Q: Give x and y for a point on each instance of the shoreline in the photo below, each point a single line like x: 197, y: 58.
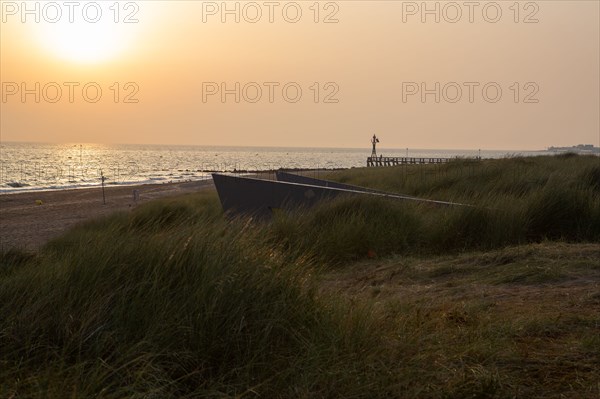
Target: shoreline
x: 208, y: 177
x: 27, y: 223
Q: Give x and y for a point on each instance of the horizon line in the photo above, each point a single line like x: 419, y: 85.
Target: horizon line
x: 366, y: 147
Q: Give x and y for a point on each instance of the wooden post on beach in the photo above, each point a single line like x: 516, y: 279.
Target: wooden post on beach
x: 103, y: 195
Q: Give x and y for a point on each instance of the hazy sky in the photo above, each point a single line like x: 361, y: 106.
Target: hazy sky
x: 489, y: 75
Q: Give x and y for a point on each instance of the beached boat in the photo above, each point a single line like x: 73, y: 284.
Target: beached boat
x: 260, y: 197
x: 246, y: 195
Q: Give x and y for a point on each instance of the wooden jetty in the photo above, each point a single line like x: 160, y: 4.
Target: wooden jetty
x: 394, y: 161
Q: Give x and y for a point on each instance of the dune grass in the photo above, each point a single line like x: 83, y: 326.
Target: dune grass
x: 355, y: 298
x: 170, y: 301
x: 515, y: 201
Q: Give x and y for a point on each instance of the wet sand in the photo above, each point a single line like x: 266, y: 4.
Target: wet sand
x: 27, y: 224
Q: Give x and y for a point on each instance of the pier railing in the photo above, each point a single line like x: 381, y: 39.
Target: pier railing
x: 393, y: 161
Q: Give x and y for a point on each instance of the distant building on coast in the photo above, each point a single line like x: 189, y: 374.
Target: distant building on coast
x: 578, y: 149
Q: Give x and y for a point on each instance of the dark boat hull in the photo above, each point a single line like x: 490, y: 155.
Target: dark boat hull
x: 244, y: 195
x: 260, y: 197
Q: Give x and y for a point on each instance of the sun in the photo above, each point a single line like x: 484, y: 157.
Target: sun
x: 88, y: 38
x: 82, y: 42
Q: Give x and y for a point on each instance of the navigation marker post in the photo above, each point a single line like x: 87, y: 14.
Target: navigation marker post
x: 374, y: 141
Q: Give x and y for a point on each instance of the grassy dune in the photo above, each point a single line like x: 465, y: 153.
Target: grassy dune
x: 356, y: 298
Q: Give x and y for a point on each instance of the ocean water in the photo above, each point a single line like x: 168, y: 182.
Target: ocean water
x: 36, y: 166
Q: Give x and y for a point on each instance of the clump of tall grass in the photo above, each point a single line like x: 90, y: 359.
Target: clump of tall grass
x: 348, y: 229
x: 514, y: 201
x: 468, y: 181
x: 590, y: 176
x: 166, y: 302
x: 562, y: 213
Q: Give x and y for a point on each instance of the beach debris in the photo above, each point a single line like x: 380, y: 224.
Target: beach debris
x: 39, y: 202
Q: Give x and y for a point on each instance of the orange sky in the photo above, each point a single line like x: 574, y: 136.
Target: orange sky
x: 369, y: 63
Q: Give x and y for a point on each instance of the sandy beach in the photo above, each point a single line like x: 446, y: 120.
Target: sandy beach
x: 27, y: 223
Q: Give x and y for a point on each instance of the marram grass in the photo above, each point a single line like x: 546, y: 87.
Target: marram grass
x: 165, y: 304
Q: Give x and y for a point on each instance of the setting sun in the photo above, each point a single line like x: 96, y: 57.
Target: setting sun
x: 82, y: 42
x: 87, y: 34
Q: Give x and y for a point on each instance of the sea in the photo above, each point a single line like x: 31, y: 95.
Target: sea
x: 41, y: 167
